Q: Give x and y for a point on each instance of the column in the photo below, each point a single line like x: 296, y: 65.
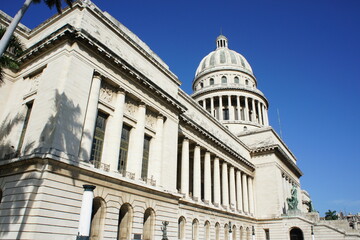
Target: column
x: 238, y: 107
x: 239, y: 191
x: 212, y: 106
x: 155, y: 158
x: 265, y: 114
x: 90, y: 119
x: 185, y: 167
x: 86, y: 212
x: 216, y: 182
x: 232, y: 188
x: 261, y: 120
x: 231, y: 109
x: 225, y: 187
x: 251, y: 195
x: 204, y: 103
x: 253, y: 111
x: 220, y: 109
x: 245, y: 193
x: 136, y: 144
x: 113, y: 135
x: 197, y: 174
x: 246, y: 111
x: 207, y: 178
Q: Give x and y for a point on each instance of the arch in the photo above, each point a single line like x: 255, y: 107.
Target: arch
x: 296, y: 234
x: 242, y: 233
x: 125, y: 222
x: 246, y: 82
x: 97, y: 218
x: 226, y: 231
x: 217, y: 231
x: 248, y: 235
x: 195, y: 229
x: 148, y: 224
x: 223, y: 79
x: 234, y: 232
x: 207, y: 230
x: 181, y: 228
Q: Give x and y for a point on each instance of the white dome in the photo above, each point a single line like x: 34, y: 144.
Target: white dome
x: 223, y: 58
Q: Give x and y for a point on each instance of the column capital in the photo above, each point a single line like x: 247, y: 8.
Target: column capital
x: 120, y: 90
x: 89, y: 187
x: 97, y: 75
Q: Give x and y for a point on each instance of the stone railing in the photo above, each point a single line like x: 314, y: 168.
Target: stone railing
x: 99, y: 165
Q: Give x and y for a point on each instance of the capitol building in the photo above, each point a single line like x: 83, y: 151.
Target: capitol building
x: 99, y: 141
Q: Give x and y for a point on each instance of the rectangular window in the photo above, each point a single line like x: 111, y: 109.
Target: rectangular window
x: 226, y: 114
x: 26, y: 121
x: 267, y: 234
x: 145, y: 160
x: 98, y: 141
x: 124, y: 147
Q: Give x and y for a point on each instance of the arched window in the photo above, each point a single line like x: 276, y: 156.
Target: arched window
x: 207, y: 230
x: 195, y: 229
x: 97, y: 219
x: 236, y: 80
x: 223, y: 79
x: 211, y: 81
x: 245, y: 128
x: 246, y: 82
x: 242, y: 233
x: 181, y: 228
x: 201, y: 85
x: 226, y: 231
x: 148, y: 224
x: 234, y: 233
x: 296, y: 234
x: 125, y: 222
x: 217, y: 231
x: 247, y: 233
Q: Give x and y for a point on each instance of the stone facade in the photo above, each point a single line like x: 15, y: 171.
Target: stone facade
x: 98, y: 140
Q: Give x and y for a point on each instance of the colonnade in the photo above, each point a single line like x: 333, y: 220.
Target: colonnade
x: 214, y: 181
x: 236, y: 107
x: 113, y: 131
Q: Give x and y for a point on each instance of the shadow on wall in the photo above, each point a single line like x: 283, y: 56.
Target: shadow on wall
x: 60, y: 137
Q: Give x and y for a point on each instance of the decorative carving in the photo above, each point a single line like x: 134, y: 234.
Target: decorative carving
x: 35, y: 81
x: 106, y: 92
x: 150, y: 119
x: 130, y: 107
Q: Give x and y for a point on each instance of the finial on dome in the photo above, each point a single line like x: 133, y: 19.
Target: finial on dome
x: 221, y: 42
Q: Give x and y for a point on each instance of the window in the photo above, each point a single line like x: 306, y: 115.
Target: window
x: 26, y: 121
x: 236, y: 80
x: 181, y: 228
x: 195, y: 229
x: 223, y: 79
x: 97, y: 219
x: 234, y: 233
x: 97, y: 146
x: 125, y: 222
x: 211, y: 81
x: 201, y: 85
x: 246, y: 82
x: 145, y: 160
x: 207, y: 230
x: 226, y: 231
x: 226, y: 114
x: 124, y: 147
x: 148, y: 224
x: 267, y: 234
x: 217, y: 231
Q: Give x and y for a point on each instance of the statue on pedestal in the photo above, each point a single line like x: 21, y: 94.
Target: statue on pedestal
x: 293, y: 201
x: 164, y: 230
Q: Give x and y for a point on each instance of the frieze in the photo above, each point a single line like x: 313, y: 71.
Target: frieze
x: 34, y: 81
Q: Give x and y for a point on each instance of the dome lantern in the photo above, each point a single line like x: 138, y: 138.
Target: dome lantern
x: 221, y: 42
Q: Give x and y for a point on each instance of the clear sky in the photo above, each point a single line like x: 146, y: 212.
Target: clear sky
x: 305, y: 55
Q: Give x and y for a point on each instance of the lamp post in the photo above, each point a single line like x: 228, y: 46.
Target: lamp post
x: 230, y: 230
x: 312, y: 233
x: 253, y: 233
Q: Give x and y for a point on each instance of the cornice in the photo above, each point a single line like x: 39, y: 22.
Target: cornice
x: 214, y: 139
x: 276, y: 148
x: 69, y: 33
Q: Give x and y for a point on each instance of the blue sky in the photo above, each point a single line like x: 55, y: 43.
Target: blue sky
x: 305, y: 55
